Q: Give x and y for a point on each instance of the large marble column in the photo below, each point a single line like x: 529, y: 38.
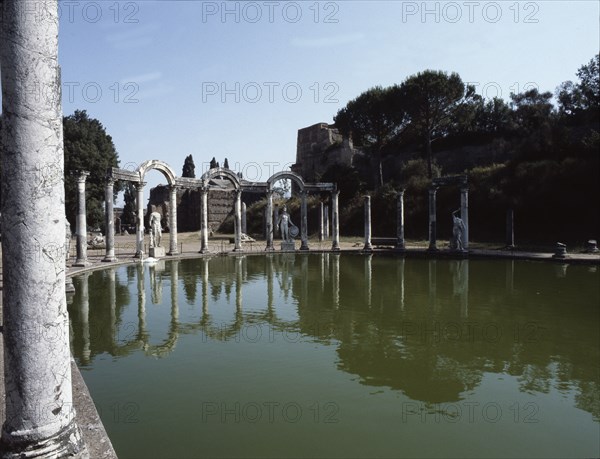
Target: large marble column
x: 204, y: 221
x: 173, y: 249
x: 368, y: 246
x: 109, y: 221
x: 432, y: 220
x: 81, y: 222
x: 464, y: 215
x: 269, y: 220
x: 38, y: 408
x: 335, y: 217
x: 400, y: 244
x: 304, y: 222
x: 139, y: 248
x: 238, y: 221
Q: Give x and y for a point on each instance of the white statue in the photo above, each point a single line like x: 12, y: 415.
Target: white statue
x: 458, y: 229
x: 284, y: 222
x: 155, y: 229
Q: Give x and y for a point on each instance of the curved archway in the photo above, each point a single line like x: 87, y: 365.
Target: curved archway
x: 161, y: 166
x: 285, y: 175
x: 222, y: 172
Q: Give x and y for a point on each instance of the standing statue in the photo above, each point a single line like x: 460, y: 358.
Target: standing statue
x: 284, y: 222
x: 458, y: 229
x: 155, y: 229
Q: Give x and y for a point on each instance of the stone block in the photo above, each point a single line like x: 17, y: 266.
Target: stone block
x: 156, y: 252
x: 287, y: 246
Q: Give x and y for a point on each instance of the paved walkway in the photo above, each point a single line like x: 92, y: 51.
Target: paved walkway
x: 92, y: 429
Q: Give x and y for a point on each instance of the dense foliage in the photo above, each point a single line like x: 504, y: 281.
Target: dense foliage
x: 550, y: 179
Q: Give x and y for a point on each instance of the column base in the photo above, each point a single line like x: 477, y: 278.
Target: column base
x: 204, y: 251
x: 69, y: 286
x: 335, y: 247
x: 432, y: 248
x: 176, y: 252
x: 138, y: 255
x: 66, y: 443
x: 81, y: 264
x: 368, y: 248
x: 304, y: 248
x: 109, y: 259
x: 238, y: 250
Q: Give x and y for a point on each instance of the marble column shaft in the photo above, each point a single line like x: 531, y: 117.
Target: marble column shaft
x: 238, y: 221
x: 464, y: 215
x: 81, y: 223
x: 269, y: 220
x: 204, y: 221
x: 368, y: 245
x: 109, y: 221
x: 38, y: 405
x: 139, y: 251
x: 432, y: 220
x: 400, y: 243
x: 321, y: 222
x: 335, y: 217
x: 304, y: 222
x: 173, y: 249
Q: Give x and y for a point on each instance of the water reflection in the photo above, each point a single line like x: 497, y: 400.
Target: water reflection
x: 430, y: 329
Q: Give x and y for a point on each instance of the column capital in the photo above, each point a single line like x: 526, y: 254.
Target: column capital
x: 174, y: 187
x: 464, y: 189
x: 139, y: 186
x: 110, y: 181
x: 401, y: 192
x: 82, y: 176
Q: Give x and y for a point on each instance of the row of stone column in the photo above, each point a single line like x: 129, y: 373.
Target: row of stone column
x: 400, y: 242
x: 270, y: 224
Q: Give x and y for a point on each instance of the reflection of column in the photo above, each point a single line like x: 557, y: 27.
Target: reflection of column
x: 326, y: 221
x: 244, y: 218
x: 269, y: 219
x: 85, y: 316
x: 304, y: 225
x: 321, y: 222
x: 139, y: 250
x: 141, y: 287
x: 335, y: 220
x: 40, y: 420
x: 205, y: 286
x: 204, y: 221
x: 112, y: 298
x: 173, y: 250
x: 400, y: 281
x: 322, y: 259
x: 336, y: 280
x: 110, y: 221
x: 368, y: 279
x: 463, y: 267
x: 81, y: 224
x: 269, y: 282
x: 237, y: 220
x: 174, y: 286
x: 400, y: 245
x: 464, y: 215
x: 432, y: 219
x: 432, y: 282
x: 510, y: 276
x: 239, y: 280
x: 304, y: 281
x: 368, y: 246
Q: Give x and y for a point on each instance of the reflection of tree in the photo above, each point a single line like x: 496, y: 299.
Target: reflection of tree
x: 535, y: 326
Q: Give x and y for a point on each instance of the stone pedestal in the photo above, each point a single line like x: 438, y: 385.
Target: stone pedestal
x: 156, y: 252
x: 288, y: 246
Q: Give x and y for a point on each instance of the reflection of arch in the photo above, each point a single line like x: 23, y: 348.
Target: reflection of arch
x: 222, y: 172
x: 297, y: 179
x: 159, y: 166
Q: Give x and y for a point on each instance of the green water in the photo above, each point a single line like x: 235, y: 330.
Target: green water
x: 342, y: 356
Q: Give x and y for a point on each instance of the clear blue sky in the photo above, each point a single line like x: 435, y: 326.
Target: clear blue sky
x: 238, y: 79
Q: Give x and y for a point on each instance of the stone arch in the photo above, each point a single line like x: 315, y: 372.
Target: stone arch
x: 222, y: 172
x: 161, y: 166
x: 296, y: 178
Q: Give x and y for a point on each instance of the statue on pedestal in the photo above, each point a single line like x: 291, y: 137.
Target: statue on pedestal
x: 458, y: 229
x: 286, y: 227
x: 155, y: 229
